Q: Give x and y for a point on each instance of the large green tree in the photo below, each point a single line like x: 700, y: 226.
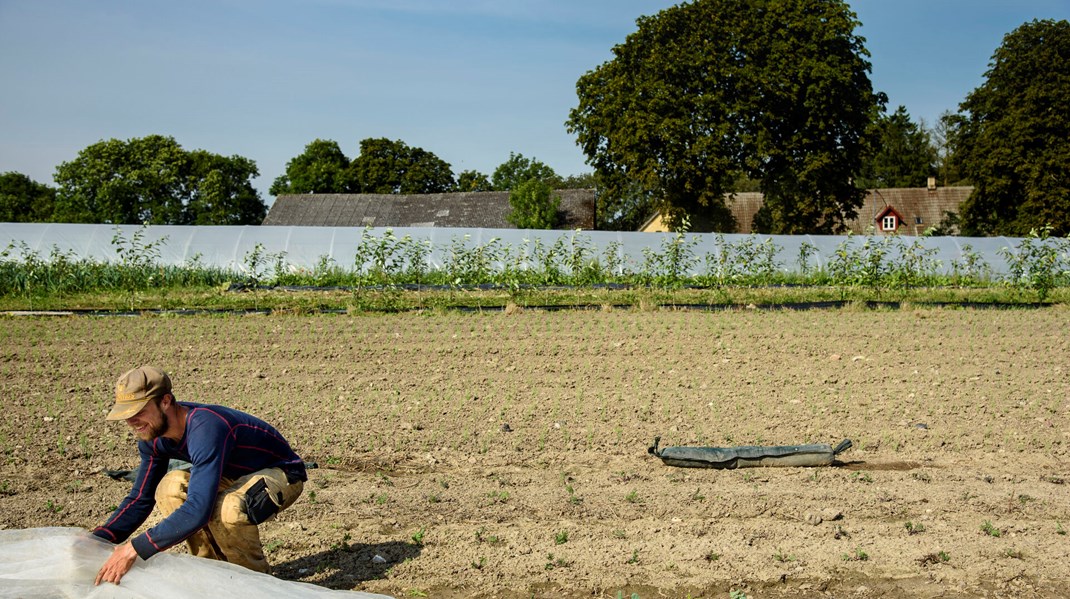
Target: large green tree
x: 221, y: 192
x: 472, y: 180
x: 386, y: 166
x: 23, y: 200
x: 903, y: 154
x: 711, y: 90
x: 581, y: 181
x: 321, y: 168
x: 942, y: 135
x: 152, y: 180
x: 1013, y: 142
x: 518, y: 169
x: 627, y: 210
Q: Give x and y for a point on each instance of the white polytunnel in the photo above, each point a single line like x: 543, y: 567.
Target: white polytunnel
x: 59, y: 562
x: 237, y: 247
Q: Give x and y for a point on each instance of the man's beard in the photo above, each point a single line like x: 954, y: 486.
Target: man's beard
x: 158, y: 430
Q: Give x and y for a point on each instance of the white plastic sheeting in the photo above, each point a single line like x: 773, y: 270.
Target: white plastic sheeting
x: 305, y: 247
x: 40, y: 563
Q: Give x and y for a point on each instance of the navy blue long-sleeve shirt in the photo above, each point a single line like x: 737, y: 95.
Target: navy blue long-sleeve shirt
x: 220, y: 443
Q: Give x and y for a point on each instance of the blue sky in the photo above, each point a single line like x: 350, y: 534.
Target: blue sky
x: 469, y: 80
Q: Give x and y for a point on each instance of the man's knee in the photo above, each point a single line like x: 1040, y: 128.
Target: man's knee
x: 232, y: 510
x: 173, y: 487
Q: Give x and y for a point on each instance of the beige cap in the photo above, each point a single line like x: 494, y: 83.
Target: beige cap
x: 136, y: 388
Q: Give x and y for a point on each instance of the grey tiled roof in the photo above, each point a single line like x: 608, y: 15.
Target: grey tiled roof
x: 486, y: 209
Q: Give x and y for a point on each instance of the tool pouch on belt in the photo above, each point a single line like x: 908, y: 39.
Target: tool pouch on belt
x: 258, y: 503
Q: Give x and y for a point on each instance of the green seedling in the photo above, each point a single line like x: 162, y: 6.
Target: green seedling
x: 572, y: 498
x: 482, y: 537
x: 914, y: 528
x: 990, y: 530
x: 782, y: 557
x: 858, y: 556
x: 940, y: 557
x: 561, y: 537
x: 418, y: 537
x: 556, y: 562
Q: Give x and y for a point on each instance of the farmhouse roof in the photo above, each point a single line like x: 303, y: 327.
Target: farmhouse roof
x: 482, y: 209
x: 919, y: 208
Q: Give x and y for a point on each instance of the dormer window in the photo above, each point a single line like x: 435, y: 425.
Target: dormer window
x: 888, y: 220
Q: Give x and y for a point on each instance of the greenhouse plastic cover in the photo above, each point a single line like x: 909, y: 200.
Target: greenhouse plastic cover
x: 39, y: 563
x: 229, y: 247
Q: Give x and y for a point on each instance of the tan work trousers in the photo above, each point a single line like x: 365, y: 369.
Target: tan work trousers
x: 229, y: 535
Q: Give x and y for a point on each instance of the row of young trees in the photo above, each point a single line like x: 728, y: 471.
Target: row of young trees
x: 706, y: 98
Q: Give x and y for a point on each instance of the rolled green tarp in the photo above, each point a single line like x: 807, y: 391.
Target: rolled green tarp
x: 749, y: 456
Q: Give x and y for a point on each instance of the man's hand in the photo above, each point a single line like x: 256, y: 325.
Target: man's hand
x: 120, y: 562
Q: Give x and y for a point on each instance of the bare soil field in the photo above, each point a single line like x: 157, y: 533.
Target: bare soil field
x: 505, y: 454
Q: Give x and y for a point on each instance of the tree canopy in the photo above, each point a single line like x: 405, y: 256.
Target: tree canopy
x: 518, y: 169
x: 23, y: 200
x: 903, y: 156
x: 321, y: 168
x: 153, y: 180
x: 386, y: 166
x: 1013, y: 138
x: 220, y: 192
x: 942, y: 137
x: 472, y: 180
x: 711, y: 90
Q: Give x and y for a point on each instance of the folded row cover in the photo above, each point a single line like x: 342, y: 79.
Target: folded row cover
x: 749, y: 456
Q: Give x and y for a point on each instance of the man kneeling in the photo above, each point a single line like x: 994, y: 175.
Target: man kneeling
x: 243, y: 472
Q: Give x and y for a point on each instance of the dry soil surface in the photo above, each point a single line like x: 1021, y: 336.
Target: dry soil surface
x: 505, y: 454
